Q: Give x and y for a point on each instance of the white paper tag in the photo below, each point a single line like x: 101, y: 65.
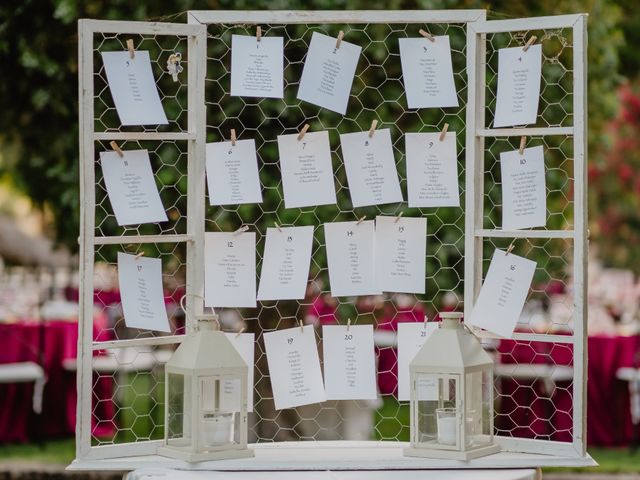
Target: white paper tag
x: 140, y: 283
x: 401, y: 250
x: 307, y: 174
x: 231, y: 394
x: 503, y: 294
x: 349, y: 362
x: 133, y: 88
x: 519, y: 74
x: 427, y: 72
x: 294, y: 367
x: 232, y: 173
x: 350, y: 258
x: 371, y: 168
x: 285, y: 268
x: 524, y: 193
x: 432, y: 170
x: 328, y: 73
x: 257, y: 66
x: 411, y: 338
x: 131, y: 188
x: 230, y: 269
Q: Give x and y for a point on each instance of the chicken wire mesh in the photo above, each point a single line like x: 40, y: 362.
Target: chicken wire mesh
x: 128, y: 383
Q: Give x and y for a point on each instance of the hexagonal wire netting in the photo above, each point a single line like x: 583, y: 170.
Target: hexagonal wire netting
x: 128, y: 389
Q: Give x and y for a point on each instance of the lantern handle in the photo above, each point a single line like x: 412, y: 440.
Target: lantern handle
x: 195, y: 295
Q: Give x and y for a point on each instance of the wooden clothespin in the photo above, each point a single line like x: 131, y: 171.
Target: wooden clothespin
x: 398, y: 217
x: 303, y: 131
x: 362, y: 219
x: 132, y: 51
x: 348, y: 325
x: 275, y: 224
x: 233, y: 137
x: 117, y: 148
x: 530, y: 42
x: 425, y: 321
x: 339, y: 39
x: 242, y: 229
x: 301, y: 326
x: 258, y: 33
x: 443, y: 133
x: 141, y: 254
x: 523, y: 142
x: 510, y: 247
x: 427, y: 35
x: 374, y: 124
x: 241, y: 331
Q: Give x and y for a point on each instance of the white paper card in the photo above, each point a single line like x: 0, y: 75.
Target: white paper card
x: 230, y: 269
x: 503, y: 293
x: 518, y: 93
x: 411, y: 338
x: 328, y: 73
x: 432, y: 170
x: 231, y: 392
x: 349, y: 362
x: 133, y: 88
x: 285, y: 268
x: 350, y: 258
x: 131, y: 187
x: 257, y: 66
x: 427, y: 72
x: 401, y: 249
x: 307, y: 174
x: 294, y: 367
x: 524, y: 192
x: 140, y: 283
x: 232, y: 173
x: 371, y: 168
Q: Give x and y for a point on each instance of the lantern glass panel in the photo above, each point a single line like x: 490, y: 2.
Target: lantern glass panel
x: 219, y: 420
x: 436, y: 411
x: 178, y: 408
x: 478, y: 408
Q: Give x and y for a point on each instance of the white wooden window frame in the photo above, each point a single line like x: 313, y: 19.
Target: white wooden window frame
x: 340, y: 454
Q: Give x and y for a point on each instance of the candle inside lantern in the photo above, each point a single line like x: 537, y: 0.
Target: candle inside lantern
x: 447, y: 425
x: 216, y: 428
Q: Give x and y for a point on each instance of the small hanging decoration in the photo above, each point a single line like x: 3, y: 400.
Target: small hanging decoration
x: 173, y: 65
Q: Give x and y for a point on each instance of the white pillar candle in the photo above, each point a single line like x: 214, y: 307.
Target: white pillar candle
x: 447, y: 430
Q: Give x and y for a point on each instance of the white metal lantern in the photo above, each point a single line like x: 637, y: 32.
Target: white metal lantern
x: 451, y: 395
x: 206, y: 398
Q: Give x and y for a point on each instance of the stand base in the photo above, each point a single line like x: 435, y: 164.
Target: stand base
x: 191, y: 457
x: 450, y: 454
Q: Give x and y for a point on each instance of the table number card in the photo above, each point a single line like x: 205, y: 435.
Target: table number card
x: 133, y: 88
x: 294, y: 367
x: 503, y: 293
x: 427, y: 72
x: 232, y: 173
x: 349, y: 362
x: 140, y: 283
x: 230, y: 398
x: 411, y: 338
x: 328, y: 73
x: 518, y: 93
x: 285, y: 269
x: 307, y: 174
x: 371, y: 168
x: 131, y: 187
x: 350, y: 257
x: 401, y: 249
x: 257, y: 66
x: 524, y: 192
x: 230, y: 269
x: 432, y: 170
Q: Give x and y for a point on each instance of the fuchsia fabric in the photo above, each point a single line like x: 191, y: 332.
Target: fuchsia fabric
x: 20, y: 343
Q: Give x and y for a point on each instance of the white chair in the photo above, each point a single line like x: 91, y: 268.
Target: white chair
x: 26, y: 372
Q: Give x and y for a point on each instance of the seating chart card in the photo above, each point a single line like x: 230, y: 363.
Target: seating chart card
x: 133, y: 88
x: 230, y: 398
x: 328, y: 73
x: 411, y: 338
x: 285, y: 268
x: 524, y: 191
x: 232, y: 173
x: 307, y: 174
x: 349, y: 362
x: 432, y: 170
x: 294, y: 367
x: 371, y: 168
x: 350, y: 257
x: 503, y: 293
x: 230, y: 269
x: 140, y: 284
x: 401, y: 249
x: 519, y: 74
x: 257, y: 66
x: 427, y: 72
x: 131, y: 187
